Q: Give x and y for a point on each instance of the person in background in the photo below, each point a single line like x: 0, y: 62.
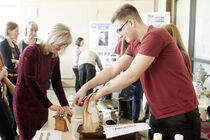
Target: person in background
x: 166, y: 81
x: 1, y: 38
x: 7, y: 121
x: 86, y: 64
x: 138, y: 92
x: 30, y: 36
x: 174, y: 32
x: 39, y: 63
x: 10, y: 55
x: 75, y: 57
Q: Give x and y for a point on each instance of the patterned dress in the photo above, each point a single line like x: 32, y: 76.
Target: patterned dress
x: 30, y: 100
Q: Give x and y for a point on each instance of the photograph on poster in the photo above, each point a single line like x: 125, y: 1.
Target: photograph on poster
x: 103, y: 38
x: 100, y: 53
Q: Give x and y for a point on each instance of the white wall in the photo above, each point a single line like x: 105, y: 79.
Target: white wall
x: 160, y: 5
x: 183, y: 20
x: 182, y: 17
x: 76, y: 14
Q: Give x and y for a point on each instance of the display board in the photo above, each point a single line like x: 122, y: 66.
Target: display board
x: 103, y: 37
x: 103, y: 40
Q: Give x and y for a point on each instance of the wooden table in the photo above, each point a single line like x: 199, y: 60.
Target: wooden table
x: 50, y: 125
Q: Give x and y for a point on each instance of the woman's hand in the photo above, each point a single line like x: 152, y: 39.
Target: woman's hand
x: 4, y: 92
x: 15, y: 61
x: 10, y: 86
x: 4, y: 72
x: 11, y: 89
x: 68, y: 110
x: 59, y: 110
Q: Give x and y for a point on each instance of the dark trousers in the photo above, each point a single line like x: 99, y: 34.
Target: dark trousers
x: 6, y: 122
x: 13, y: 79
x: 137, y: 99
x: 187, y: 124
x: 86, y: 73
x: 136, y: 92
x: 77, y: 84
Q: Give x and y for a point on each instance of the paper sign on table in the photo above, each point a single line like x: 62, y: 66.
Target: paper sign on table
x: 122, y: 129
x: 48, y: 135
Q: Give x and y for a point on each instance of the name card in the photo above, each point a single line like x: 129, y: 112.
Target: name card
x: 122, y: 129
x: 48, y: 135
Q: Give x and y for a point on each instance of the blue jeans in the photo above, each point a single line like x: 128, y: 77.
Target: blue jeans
x: 137, y: 99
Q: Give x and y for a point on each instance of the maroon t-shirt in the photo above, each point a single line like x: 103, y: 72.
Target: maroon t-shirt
x: 167, y: 82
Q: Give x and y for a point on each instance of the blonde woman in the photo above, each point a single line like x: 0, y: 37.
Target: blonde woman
x: 30, y: 36
x: 173, y: 30
x: 38, y: 64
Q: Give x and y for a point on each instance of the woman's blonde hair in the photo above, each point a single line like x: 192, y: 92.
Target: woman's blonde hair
x: 173, y: 30
x: 59, y: 34
x: 31, y: 25
x: 10, y: 26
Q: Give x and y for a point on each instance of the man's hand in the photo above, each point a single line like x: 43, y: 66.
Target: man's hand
x: 98, y: 95
x: 79, y: 97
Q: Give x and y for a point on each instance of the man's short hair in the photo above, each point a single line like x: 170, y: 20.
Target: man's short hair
x: 126, y: 12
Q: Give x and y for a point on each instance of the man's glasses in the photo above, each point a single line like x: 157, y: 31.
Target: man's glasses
x: 120, y: 29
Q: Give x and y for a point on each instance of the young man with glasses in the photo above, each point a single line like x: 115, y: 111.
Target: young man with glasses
x: 165, y: 79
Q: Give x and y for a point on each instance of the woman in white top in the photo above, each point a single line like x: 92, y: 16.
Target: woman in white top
x: 75, y: 57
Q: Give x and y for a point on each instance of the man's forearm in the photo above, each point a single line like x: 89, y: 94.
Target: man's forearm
x: 101, y: 78
x: 121, y: 81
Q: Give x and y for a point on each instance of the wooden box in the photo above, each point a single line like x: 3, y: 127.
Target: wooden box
x: 60, y: 123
